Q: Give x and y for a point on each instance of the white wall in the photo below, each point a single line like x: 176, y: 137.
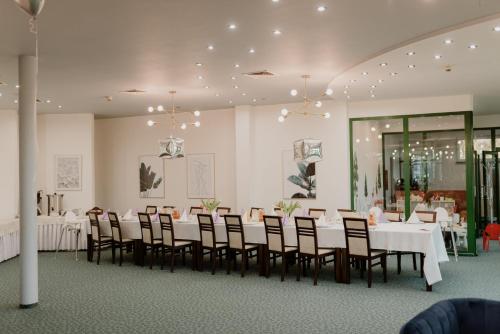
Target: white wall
x: 67, y: 134
x: 9, y: 168
x: 120, y: 141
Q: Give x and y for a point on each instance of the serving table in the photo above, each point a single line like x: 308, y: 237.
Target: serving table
x: 418, y: 238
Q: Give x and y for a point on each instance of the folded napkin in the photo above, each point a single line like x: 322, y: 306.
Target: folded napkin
x: 378, y: 214
x: 69, y: 216
x: 413, y: 219
x: 255, y: 215
x: 128, y: 215
x: 184, y: 216
x: 244, y: 218
x: 322, y: 220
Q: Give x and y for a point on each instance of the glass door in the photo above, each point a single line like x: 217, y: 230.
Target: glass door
x: 489, y: 187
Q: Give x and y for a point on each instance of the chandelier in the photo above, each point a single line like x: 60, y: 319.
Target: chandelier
x: 304, y: 109
x: 173, y: 147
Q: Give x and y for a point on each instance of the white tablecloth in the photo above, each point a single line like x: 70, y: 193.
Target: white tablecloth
x: 9, y: 239
x: 419, y: 238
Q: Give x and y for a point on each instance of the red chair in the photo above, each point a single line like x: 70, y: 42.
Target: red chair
x: 491, y: 232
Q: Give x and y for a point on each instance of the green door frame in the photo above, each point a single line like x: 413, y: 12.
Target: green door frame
x: 469, y: 166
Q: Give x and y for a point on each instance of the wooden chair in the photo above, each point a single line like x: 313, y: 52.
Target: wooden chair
x: 167, y: 209
x: 357, y: 240
x: 117, y: 240
x: 275, y: 241
x: 394, y: 216
x: 96, y: 210
x: 194, y: 210
x: 307, y: 241
x: 209, y: 240
x: 151, y: 210
x: 148, y: 240
x: 169, y: 243
x: 428, y: 217
x: 223, y: 210
x: 98, y: 241
x: 254, y: 211
x: 316, y: 213
x: 236, y: 242
x: 348, y: 213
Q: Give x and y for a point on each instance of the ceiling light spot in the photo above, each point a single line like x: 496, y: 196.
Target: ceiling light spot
x: 437, y: 57
x: 318, y: 104
x: 151, y: 109
x: 150, y: 123
x: 387, y: 126
x: 410, y: 53
x: 329, y: 91
x: 473, y: 46
x: 393, y: 74
x: 236, y: 65
x: 281, y: 119
x: 232, y: 26
x: 217, y: 94
x: 197, y: 124
x: 211, y: 47
x: 365, y: 73
x: 59, y: 107
x: 207, y: 87
x: 372, y: 96
x: 15, y: 101
x: 321, y: 8
x: 383, y: 64
x: 373, y: 86
x: 497, y: 29
x: 276, y: 32
x: 411, y: 66
x: 230, y: 101
x: 183, y: 126
x: 244, y: 94
x: 380, y: 80
x: 199, y: 64
x: 200, y: 77
x: 236, y: 87
x: 46, y: 101
x: 160, y: 108
x: 327, y: 115
x: 448, y: 41
x: 197, y: 113
x: 353, y: 80
x: 251, y: 50
x: 294, y: 92
x: 284, y: 111
x: 233, y: 78
x: 373, y: 129
x: 346, y: 92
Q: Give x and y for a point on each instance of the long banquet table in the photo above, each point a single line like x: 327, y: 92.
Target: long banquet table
x: 418, y: 238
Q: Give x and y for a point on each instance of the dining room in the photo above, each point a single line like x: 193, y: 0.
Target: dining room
x: 234, y: 166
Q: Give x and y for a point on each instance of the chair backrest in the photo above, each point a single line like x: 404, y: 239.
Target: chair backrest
x: 393, y: 216
x: 316, y: 213
x: 279, y: 212
x: 151, y: 210
x: 207, y: 230
x: 116, y: 231
x: 167, y: 209
x: 195, y: 210
x: 274, y: 233
x: 357, y: 239
x: 95, y: 229
x: 167, y: 230
x: 307, y: 239
x: 146, y: 228
x: 96, y: 210
x: 235, y: 233
x: 345, y: 213
x: 223, y: 210
x: 426, y: 216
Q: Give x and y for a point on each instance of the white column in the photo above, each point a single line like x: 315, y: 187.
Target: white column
x: 243, y: 136
x: 27, y: 180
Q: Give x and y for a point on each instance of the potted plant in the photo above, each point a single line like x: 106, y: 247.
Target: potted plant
x: 287, y: 209
x: 210, y: 204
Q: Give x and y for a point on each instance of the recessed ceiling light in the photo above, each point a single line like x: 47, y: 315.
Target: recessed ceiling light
x: 200, y: 77
x: 372, y: 96
x: 230, y: 101
x: 236, y: 65
x: 410, y: 53
x: 373, y: 86
x: 150, y: 123
x: 197, y: 113
x: 59, y: 107
x: 276, y: 32
x: 197, y: 124
x: 373, y: 129
x: 251, y: 50
x: 199, y: 64
x: 329, y: 91
x: 294, y: 92
x: 497, y: 29
x: 318, y: 104
x: 217, y: 94
x: 348, y: 97
x: 411, y: 66
x: 15, y: 101
x: 183, y: 126
x: 346, y: 86
x: 244, y: 94
x: 346, y: 92
x: 46, y: 101
x: 383, y: 64
x: 254, y: 100
x: 437, y: 57
x: 211, y: 47
x: 387, y: 126
x: 394, y: 74
x: 276, y: 1
x: 448, y: 41
x: 473, y: 46
x: 235, y: 87
x: 321, y: 8
x: 160, y: 108
x: 232, y: 26
x: 353, y: 80
x: 207, y: 87
x: 365, y: 73
x: 233, y: 78
x: 380, y: 80
x: 151, y: 109
x: 17, y: 86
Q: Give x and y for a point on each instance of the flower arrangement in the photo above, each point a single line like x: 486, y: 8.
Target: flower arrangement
x: 289, y: 208
x: 210, y: 204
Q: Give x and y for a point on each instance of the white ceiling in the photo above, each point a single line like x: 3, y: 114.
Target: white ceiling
x: 93, y: 48
x: 473, y: 71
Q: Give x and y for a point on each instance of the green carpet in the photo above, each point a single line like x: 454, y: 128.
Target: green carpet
x: 81, y: 297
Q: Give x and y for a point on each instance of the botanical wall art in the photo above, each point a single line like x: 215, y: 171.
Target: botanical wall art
x: 68, y: 172
x: 299, y: 178
x: 201, y: 175
x: 151, y: 178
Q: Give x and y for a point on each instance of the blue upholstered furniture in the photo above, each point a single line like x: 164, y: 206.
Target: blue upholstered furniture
x: 457, y: 316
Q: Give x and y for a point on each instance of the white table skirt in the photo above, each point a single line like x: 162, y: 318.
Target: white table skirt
x: 418, y: 238
x: 9, y: 245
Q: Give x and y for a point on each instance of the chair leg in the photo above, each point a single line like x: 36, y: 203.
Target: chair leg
x: 244, y: 260
x: 152, y: 258
x: 113, y: 252
x: 274, y: 260
x: 162, y: 257
x: 184, y: 256
x: 121, y: 255
x: 384, y: 267
x: 369, y: 273
x: 422, y: 257
x: 299, y: 263
x: 305, y: 259
x: 268, y: 264
x: 214, y: 260
x: 316, y: 269
x: 347, y: 271
x: 284, y: 266
x: 98, y: 253
x: 398, y: 254
x: 361, y: 268
x: 172, y: 260
x: 220, y: 258
x: 228, y: 263
x: 414, y: 261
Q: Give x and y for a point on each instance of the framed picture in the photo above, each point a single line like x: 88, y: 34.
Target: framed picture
x: 68, y: 172
x: 299, y: 178
x: 151, y: 177
x: 201, y: 175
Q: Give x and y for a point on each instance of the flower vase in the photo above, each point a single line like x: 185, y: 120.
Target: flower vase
x: 285, y: 219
